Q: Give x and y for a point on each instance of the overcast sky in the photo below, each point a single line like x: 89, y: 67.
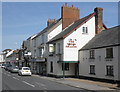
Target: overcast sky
x: 21, y: 20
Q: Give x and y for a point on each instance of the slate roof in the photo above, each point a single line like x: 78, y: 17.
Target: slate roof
x: 47, y: 28
x: 71, y: 28
x: 104, y: 39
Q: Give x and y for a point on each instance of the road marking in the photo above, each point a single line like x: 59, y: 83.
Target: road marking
x: 28, y: 84
x: 44, y: 88
x: 4, y: 73
x: 8, y: 75
x: 77, y: 86
x: 15, y: 78
x: 40, y: 84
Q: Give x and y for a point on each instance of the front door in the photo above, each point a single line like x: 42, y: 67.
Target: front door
x: 76, y: 69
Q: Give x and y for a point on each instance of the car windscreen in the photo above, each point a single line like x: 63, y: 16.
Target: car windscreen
x: 26, y: 68
x: 15, y: 67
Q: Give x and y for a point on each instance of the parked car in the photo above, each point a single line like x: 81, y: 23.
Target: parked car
x: 25, y: 71
x: 0, y: 65
x: 3, y: 66
x: 14, y: 69
x: 7, y: 67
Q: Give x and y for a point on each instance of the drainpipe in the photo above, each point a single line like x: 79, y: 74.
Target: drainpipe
x: 63, y: 70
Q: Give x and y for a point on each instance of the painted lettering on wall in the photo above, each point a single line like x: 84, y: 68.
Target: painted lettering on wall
x: 71, y: 43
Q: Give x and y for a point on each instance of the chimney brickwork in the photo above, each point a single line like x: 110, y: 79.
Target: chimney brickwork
x: 98, y: 19
x: 50, y: 21
x: 69, y: 15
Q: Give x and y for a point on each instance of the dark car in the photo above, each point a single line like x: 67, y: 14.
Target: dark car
x: 8, y: 66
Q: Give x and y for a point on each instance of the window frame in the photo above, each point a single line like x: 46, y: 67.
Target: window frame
x: 58, y: 48
x: 85, y: 30
x: 92, y: 69
x: 109, y: 52
x: 92, y: 54
x: 109, y: 70
x: 66, y: 66
x: 51, y: 67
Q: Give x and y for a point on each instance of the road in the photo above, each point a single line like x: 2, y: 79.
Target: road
x: 12, y: 83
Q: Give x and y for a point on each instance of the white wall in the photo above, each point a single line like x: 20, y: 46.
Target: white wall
x: 100, y: 63
x: 55, y: 58
x: 55, y: 32
x: 71, y: 54
x: 1, y: 58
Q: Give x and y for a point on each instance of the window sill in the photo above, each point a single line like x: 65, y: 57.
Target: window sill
x: 50, y: 54
x: 58, y: 54
x: 92, y: 73
x: 110, y: 75
x: 85, y: 33
x: 108, y: 57
x: 65, y: 70
x: 91, y: 58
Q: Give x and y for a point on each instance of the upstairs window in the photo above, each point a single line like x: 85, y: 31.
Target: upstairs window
x: 52, y: 48
x: 34, y: 42
x: 85, y: 30
x: 35, y: 53
x: 42, y: 38
x: 92, y: 54
x: 109, y: 52
x: 41, y: 50
x: 58, y: 47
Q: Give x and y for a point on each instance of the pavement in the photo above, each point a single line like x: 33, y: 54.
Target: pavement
x: 84, y: 84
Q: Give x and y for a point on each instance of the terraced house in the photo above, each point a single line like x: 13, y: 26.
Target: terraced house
x: 36, y: 45
x: 99, y: 58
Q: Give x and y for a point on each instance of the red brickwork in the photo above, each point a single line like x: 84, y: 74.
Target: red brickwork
x: 50, y: 21
x: 98, y: 20
x: 69, y: 15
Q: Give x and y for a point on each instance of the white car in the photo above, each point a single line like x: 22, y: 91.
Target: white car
x: 25, y: 71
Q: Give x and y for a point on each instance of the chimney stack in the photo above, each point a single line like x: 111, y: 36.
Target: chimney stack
x: 50, y: 21
x: 69, y: 15
x: 98, y: 19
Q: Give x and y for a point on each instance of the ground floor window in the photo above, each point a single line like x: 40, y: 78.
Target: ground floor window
x: 65, y: 66
x: 92, y: 69
x: 51, y: 66
x: 109, y: 70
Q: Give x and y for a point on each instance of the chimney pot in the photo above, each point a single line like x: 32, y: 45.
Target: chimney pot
x: 50, y: 21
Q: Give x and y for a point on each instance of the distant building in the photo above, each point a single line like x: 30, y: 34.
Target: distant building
x: 3, y: 54
x: 1, y: 58
x: 36, y: 45
x: 99, y: 58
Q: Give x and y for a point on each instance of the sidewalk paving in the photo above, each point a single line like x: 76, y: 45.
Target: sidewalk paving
x: 85, y: 84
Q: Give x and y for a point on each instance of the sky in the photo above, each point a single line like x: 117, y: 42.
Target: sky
x: 20, y: 20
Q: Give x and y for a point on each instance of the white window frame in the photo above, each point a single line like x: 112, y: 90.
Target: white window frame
x: 85, y: 30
